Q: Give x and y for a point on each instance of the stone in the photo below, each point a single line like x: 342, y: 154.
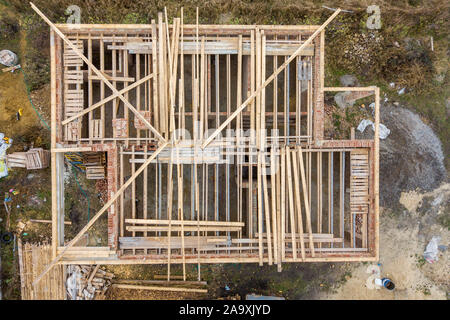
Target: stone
x: 34, y: 201
x: 348, y: 80
x: 347, y: 99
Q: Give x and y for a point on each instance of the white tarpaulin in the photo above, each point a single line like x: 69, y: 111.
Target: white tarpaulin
x: 384, y: 131
x: 3, y: 147
x: 431, y: 251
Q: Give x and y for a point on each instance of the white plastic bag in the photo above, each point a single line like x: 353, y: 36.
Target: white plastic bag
x: 384, y: 131
x: 431, y: 252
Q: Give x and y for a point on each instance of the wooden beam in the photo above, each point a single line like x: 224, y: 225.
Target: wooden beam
x: 305, y: 197
x: 156, y: 288
x: 283, y: 202
x: 298, y: 201
x: 370, y: 89
x: 273, y: 190
x: 48, y: 221
x: 186, y: 222
x: 291, y: 202
x: 53, y: 143
x: 186, y: 228
x: 377, y: 173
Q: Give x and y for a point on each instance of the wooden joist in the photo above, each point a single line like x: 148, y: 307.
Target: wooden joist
x: 186, y: 222
x: 158, y: 288
x: 186, y: 228
x: 220, y: 46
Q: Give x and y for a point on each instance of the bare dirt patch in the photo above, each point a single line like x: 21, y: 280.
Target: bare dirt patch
x: 403, y: 238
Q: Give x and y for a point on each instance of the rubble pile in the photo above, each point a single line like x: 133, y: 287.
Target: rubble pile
x: 86, y: 282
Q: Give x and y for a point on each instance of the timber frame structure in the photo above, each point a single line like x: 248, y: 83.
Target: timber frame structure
x: 256, y: 183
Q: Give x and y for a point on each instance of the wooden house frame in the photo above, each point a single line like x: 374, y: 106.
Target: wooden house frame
x: 257, y: 182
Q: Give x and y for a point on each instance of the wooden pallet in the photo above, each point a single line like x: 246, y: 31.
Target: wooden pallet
x: 93, y: 159
x: 359, y: 181
x: 36, y: 158
x: 95, y: 172
x: 73, y: 93
x: 71, y: 59
x: 16, y: 160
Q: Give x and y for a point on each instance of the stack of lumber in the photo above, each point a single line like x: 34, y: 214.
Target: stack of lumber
x: 86, y: 282
x: 36, y: 158
x: 94, y: 163
x: 95, y: 172
x: 92, y: 159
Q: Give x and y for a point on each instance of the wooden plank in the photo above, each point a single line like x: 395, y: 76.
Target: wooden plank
x: 145, y: 191
x: 156, y: 288
x: 133, y: 189
x: 291, y: 202
x: 267, y: 211
x: 306, y: 201
x: 178, y: 228
x: 48, y: 221
x: 122, y: 204
x: 155, y: 78
x: 319, y: 192
x: 186, y: 222
x: 283, y: 201
x: 220, y: 46
x: 273, y: 169
x: 298, y: 201
x: 176, y: 242
x: 251, y: 88
x: 127, y: 281
x: 377, y: 174
x: 161, y: 74
x: 54, y: 179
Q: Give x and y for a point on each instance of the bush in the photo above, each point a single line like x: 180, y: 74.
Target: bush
x: 9, y: 26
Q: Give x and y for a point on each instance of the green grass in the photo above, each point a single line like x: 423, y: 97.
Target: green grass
x: 444, y: 219
x: 420, y: 261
